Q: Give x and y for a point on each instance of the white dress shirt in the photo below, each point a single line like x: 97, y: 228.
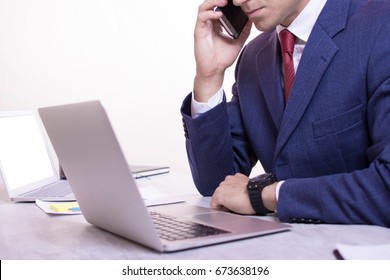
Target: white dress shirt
x: 301, y: 27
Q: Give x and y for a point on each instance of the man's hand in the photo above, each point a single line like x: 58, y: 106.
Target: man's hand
x: 214, y: 50
x: 232, y: 195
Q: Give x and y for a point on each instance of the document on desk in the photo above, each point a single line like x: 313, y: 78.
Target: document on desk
x: 58, y: 208
x: 364, y: 252
x: 151, y: 195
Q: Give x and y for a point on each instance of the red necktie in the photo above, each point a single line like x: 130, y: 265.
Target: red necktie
x: 287, y: 41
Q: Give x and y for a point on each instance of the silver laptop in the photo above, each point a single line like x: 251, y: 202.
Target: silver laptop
x: 26, y: 165
x: 106, y: 191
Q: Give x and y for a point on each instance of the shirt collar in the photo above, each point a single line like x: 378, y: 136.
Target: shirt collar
x: 303, y: 24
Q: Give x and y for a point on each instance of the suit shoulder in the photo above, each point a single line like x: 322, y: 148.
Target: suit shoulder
x: 260, y: 41
x: 369, y: 18
x: 368, y: 10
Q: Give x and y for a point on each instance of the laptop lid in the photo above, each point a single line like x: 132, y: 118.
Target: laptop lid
x: 107, y: 192
x: 25, y: 159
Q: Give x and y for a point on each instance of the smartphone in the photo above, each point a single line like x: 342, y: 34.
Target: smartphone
x: 233, y: 19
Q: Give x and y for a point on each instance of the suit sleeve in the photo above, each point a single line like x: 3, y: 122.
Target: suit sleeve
x: 216, y: 145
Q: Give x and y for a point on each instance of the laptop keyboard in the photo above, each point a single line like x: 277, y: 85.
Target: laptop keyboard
x: 59, y: 189
x: 171, y: 228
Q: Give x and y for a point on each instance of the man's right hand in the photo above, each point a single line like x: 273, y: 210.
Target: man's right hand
x: 214, y: 50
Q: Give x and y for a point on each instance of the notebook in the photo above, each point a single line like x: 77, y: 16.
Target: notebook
x: 108, y: 194
x: 142, y: 171
x: 26, y: 165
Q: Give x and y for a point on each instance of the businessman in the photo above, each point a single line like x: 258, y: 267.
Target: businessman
x: 311, y: 102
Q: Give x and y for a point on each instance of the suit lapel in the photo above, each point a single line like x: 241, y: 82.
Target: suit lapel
x: 319, y: 51
x: 268, y: 67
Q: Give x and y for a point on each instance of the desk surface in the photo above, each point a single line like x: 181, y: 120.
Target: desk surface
x: 26, y: 232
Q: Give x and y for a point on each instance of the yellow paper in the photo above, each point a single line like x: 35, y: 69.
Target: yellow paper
x: 64, y: 206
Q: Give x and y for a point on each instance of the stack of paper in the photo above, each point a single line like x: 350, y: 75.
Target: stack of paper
x: 364, y: 252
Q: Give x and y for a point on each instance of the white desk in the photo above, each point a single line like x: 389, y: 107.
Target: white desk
x: 26, y: 232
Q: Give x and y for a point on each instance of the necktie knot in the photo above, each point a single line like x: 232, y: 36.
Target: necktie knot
x: 287, y: 41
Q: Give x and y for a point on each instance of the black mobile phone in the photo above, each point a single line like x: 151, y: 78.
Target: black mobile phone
x: 233, y: 19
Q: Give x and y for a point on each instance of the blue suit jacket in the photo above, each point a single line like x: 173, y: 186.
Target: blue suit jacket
x: 331, y: 143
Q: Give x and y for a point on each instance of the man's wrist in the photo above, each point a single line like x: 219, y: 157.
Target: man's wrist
x: 269, y: 197
x: 206, y: 87
x: 198, y: 108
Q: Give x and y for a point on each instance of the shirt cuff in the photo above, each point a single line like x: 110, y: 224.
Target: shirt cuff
x: 198, y: 108
x: 278, y: 189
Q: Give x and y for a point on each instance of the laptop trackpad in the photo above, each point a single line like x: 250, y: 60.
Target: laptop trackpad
x: 236, y: 223
x: 216, y: 218
x: 223, y: 220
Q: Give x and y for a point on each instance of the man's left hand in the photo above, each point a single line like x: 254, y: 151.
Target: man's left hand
x: 232, y: 195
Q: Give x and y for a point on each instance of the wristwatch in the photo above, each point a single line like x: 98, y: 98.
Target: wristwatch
x: 255, y: 187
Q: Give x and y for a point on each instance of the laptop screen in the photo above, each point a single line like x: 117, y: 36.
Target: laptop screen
x: 24, y: 158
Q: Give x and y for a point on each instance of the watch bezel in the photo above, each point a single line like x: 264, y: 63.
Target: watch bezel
x: 264, y: 179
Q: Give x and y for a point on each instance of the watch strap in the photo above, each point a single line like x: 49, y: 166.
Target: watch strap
x: 257, y: 200
x: 255, y: 187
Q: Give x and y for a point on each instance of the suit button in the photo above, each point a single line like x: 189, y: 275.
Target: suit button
x: 185, y: 129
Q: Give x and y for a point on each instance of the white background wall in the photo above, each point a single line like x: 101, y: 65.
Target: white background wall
x: 134, y: 56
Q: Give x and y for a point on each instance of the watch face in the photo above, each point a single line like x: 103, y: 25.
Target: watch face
x: 267, y: 177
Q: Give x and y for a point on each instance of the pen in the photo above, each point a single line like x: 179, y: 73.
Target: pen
x: 74, y: 209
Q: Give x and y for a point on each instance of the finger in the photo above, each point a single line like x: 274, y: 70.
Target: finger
x: 217, y: 28
x: 207, y: 10
x: 219, y: 207
x: 211, y: 4
x: 225, y: 209
x: 209, y: 15
x: 214, y: 203
x: 247, y: 28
